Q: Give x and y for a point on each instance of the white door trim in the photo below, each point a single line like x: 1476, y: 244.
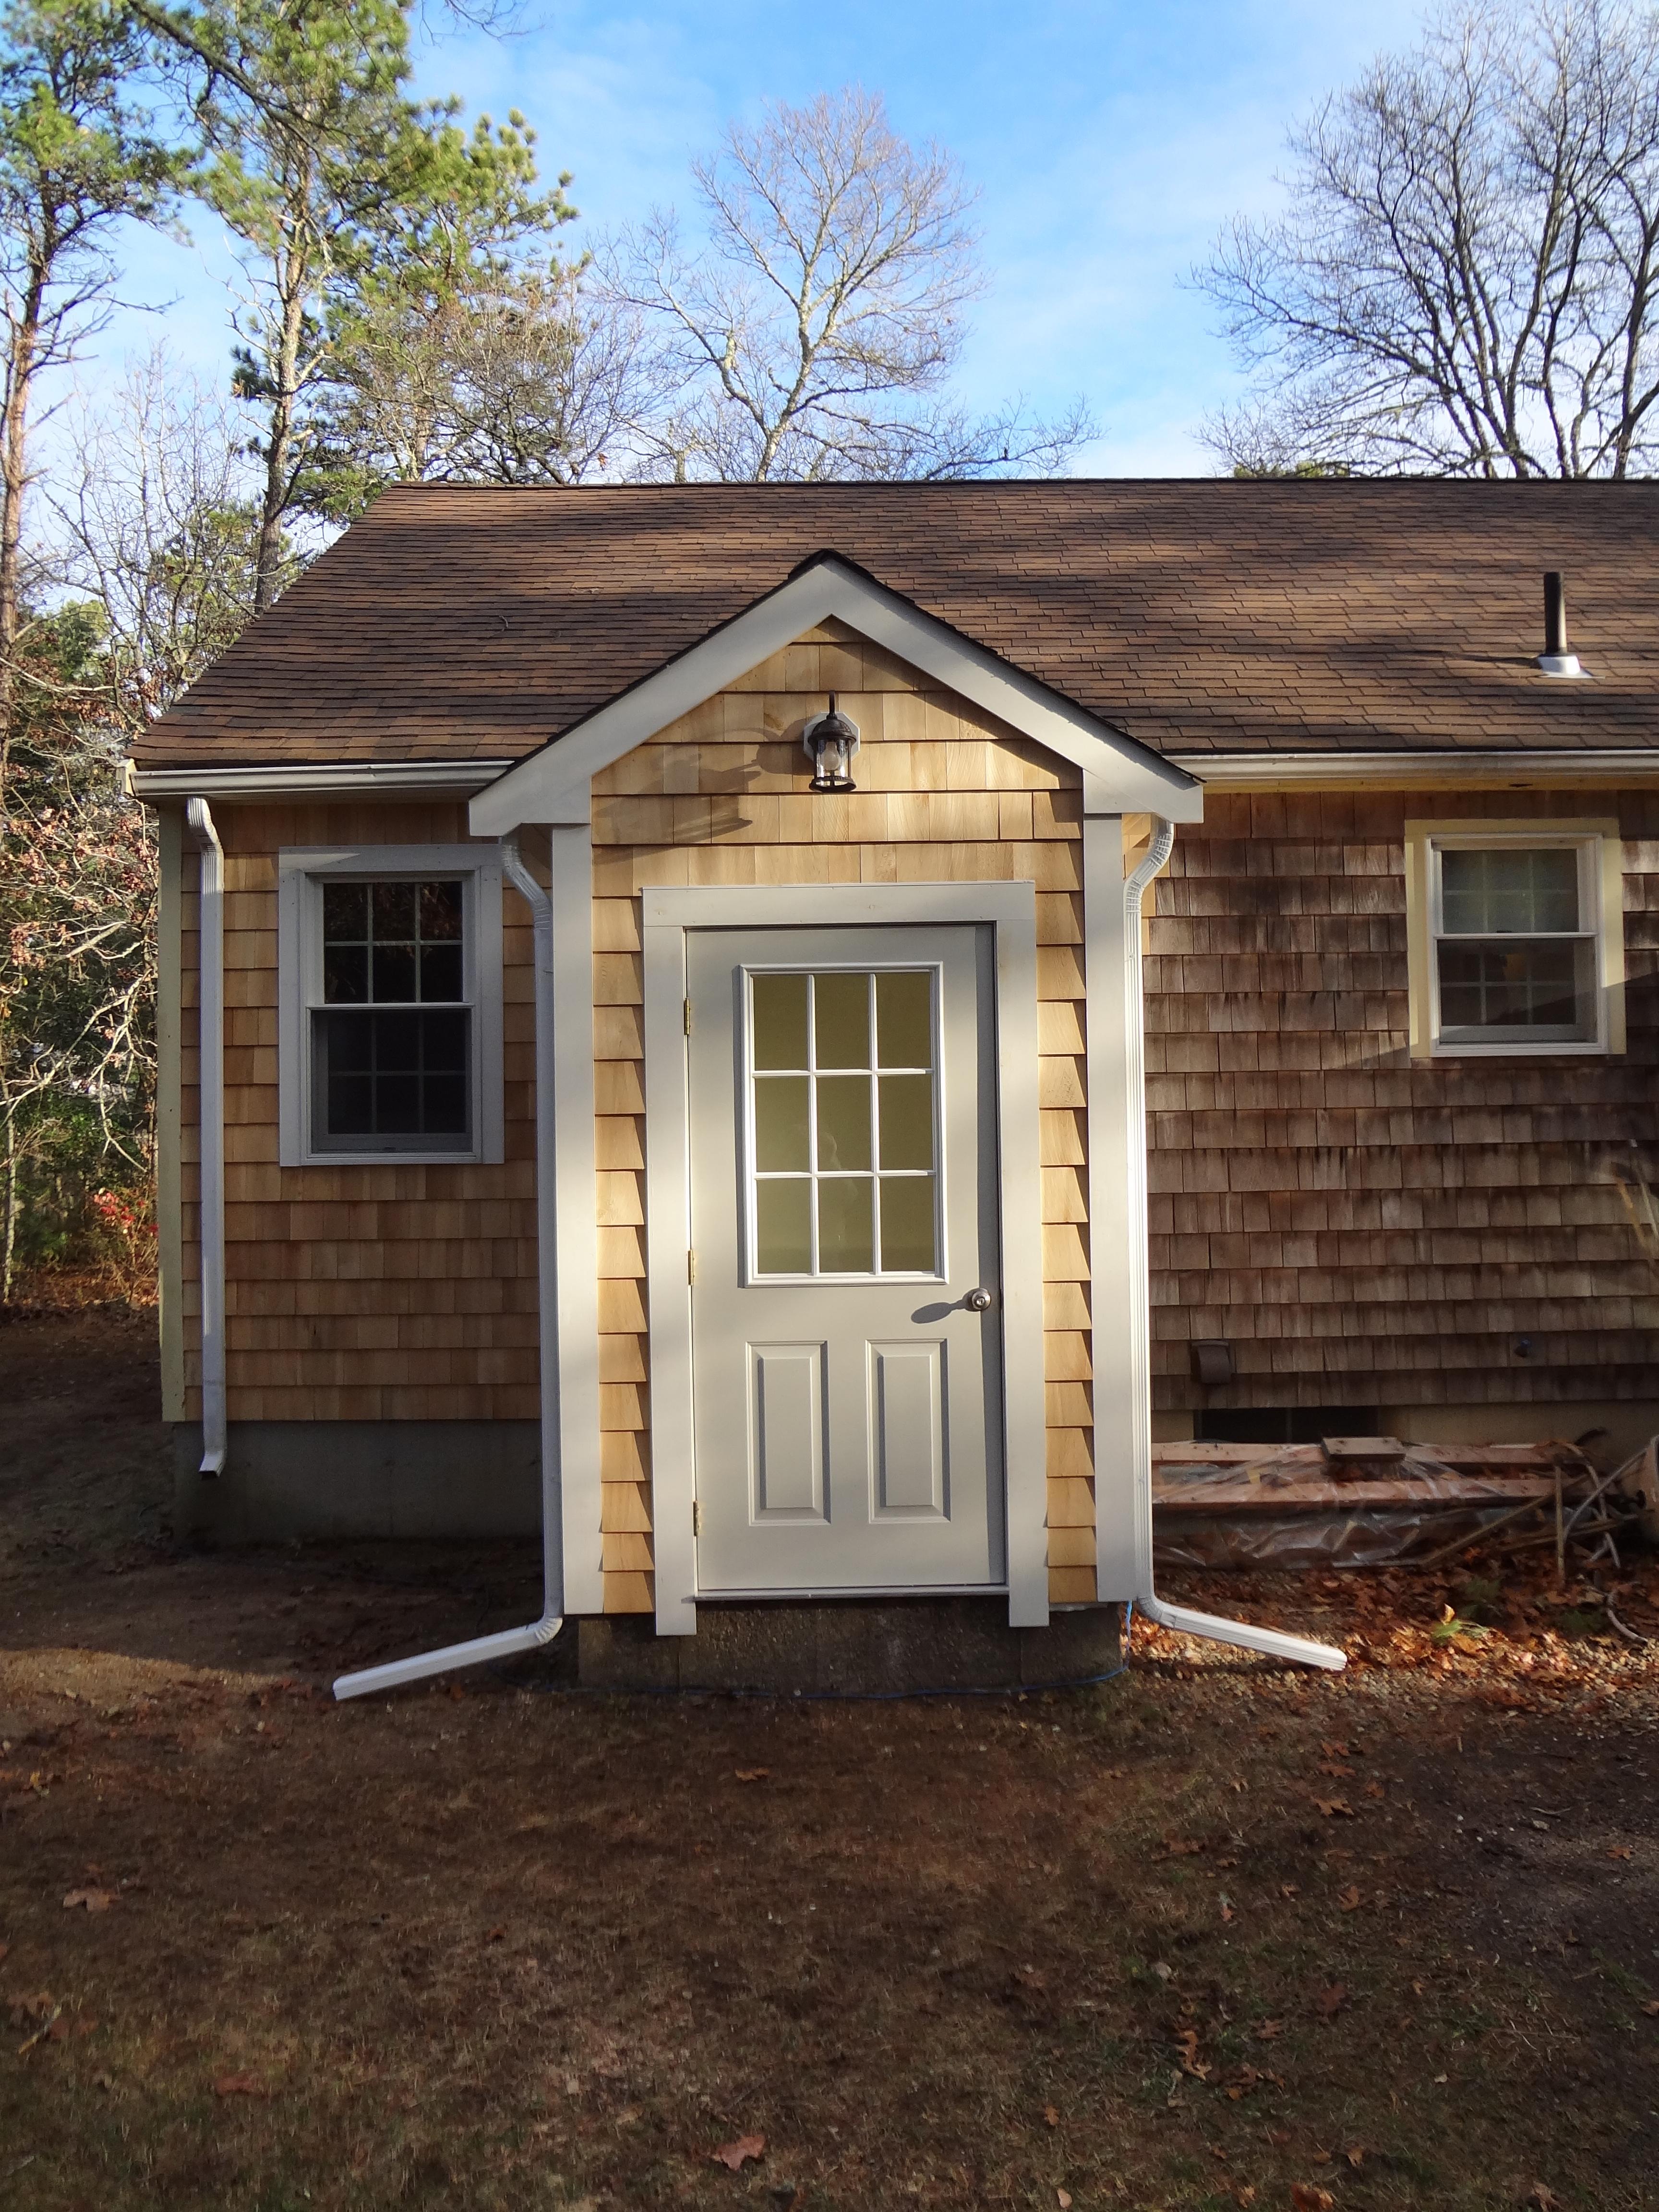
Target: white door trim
x: 1010, y: 907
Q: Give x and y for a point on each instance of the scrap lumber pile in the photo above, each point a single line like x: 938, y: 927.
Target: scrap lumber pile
x: 1367, y: 1501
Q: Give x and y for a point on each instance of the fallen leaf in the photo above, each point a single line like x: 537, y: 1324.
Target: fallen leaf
x: 1340, y: 1773
x: 95, y: 1900
x: 496, y: 1935
x: 1051, y: 2113
x: 1440, y: 2078
x: 1063, y: 2199
x: 1244, y: 2194
x: 1227, y: 1913
x: 1334, y: 1750
x: 1279, y: 2137
x: 1375, y: 1789
x: 753, y: 1774
x: 1268, y: 2029
x: 1619, y: 1851
x: 1330, y: 2001
x: 1188, y: 2041
x: 733, y: 2155
x: 240, y: 2085
x: 1349, y: 1898
x: 1652, y: 2010
x: 1545, y: 2198
x: 1355, y: 2154
x: 1306, y: 2197
x: 1335, y: 1808
x: 1289, y: 1889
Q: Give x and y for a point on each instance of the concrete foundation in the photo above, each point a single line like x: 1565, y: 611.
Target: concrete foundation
x: 350, y: 1480
x: 857, y: 1646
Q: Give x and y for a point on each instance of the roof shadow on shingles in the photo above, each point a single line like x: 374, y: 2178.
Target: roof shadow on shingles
x: 1193, y: 615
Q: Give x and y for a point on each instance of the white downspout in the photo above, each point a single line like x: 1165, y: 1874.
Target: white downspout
x: 507, y: 1642
x: 212, y: 1009
x: 1211, y: 1626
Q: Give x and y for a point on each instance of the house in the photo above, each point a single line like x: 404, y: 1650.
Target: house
x: 652, y: 1032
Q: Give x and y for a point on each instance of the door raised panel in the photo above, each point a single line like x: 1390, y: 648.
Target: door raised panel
x: 786, y: 1425
x: 907, y: 1408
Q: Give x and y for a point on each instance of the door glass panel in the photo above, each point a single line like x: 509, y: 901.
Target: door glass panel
x: 783, y: 1228
x: 844, y: 1122
x: 907, y: 1121
x: 779, y: 1024
x: 845, y: 1160
x: 842, y: 1020
x: 845, y: 1244
x: 906, y: 1225
x: 782, y: 1107
x: 904, y: 1019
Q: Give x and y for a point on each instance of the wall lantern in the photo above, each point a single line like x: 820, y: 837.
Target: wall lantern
x: 830, y: 741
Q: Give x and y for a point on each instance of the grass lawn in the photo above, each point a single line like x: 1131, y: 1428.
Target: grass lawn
x: 1215, y: 1933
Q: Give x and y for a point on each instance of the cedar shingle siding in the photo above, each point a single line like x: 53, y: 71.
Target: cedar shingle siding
x: 1366, y: 1229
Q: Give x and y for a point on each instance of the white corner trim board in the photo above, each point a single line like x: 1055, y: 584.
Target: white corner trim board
x: 1010, y: 907
x: 1119, y: 773
x: 508, y: 1642
x: 1211, y: 1627
x: 198, y: 819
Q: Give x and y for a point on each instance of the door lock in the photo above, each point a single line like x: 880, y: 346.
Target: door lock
x: 978, y: 1302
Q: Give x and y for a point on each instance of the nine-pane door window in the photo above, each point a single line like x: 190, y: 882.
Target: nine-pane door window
x: 844, y: 1176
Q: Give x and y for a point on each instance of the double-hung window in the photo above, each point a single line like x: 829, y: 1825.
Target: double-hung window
x: 1517, y: 938
x: 390, y: 990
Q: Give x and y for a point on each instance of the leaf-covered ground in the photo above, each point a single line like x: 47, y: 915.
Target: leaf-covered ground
x: 1215, y: 1933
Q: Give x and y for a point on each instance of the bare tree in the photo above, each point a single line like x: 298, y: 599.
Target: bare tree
x: 156, y: 511
x: 814, y: 336
x: 1465, y: 281
x: 490, y: 373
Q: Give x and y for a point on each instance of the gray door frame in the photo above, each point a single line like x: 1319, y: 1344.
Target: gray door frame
x: 668, y: 914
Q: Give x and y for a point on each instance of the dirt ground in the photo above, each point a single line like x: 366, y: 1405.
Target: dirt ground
x: 1215, y: 1932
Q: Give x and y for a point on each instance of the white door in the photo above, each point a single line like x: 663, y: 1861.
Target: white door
x: 847, y: 1345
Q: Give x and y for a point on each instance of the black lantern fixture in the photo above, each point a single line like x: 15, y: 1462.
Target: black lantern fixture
x: 830, y: 741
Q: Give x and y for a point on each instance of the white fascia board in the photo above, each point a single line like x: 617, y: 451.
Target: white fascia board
x: 328, y: 779
x: 1120, y: 775
x: 1417, y: 771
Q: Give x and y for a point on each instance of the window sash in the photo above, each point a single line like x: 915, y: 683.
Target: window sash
x: 302, y: 874
x: 1586, y: 1029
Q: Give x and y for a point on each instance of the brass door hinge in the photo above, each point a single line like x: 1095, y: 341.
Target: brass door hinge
x: 697, y: 1516
x: 686, y: 1015
x: 690, y: 1267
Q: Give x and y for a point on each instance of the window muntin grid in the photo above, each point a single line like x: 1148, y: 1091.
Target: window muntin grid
x: 843, y: 1118
x: 391, y: 1040
x: 1513, y: 961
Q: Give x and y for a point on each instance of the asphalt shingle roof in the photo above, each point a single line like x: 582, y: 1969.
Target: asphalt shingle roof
x: 1205, y: 616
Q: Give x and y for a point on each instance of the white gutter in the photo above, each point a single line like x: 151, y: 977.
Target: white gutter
x: 1181, y: 1618
x: 1447, y: 769
x: 508, y: 1642
x: 211, y: 994
x: 323, y: 778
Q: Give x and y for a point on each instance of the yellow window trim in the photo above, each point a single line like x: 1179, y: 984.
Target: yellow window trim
x: 1421, y: 836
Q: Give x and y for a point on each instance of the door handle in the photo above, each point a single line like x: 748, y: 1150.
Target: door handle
x: 978, y: 1302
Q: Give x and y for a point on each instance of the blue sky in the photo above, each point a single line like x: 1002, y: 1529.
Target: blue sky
x: 1109, y: 142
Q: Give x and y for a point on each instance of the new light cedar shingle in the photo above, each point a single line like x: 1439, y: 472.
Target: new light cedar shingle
x: 473, y: 623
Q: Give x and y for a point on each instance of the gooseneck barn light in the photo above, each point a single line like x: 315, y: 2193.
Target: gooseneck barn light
x: 830, y: 742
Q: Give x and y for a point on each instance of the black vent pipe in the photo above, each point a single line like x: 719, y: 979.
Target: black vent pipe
x: 1555, y: 612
